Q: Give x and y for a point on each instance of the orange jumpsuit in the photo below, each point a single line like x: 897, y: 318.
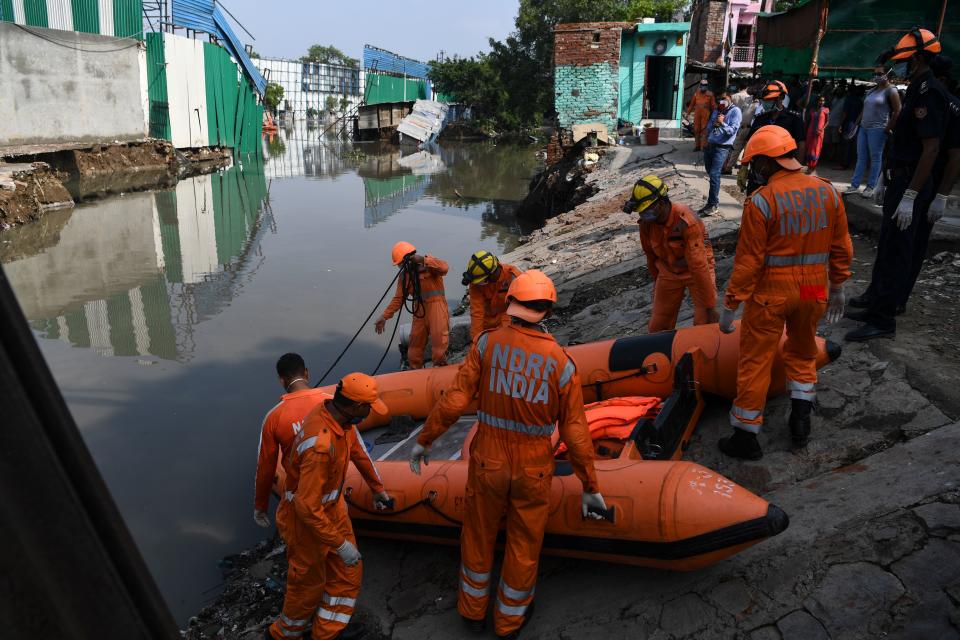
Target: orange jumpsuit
x: 434, y: 319
x: 679, y: 257
x: 527, y: 386
x: 321, y: 589
x: 793, y: 241
x: 488, y: 301
x: 702, y: 105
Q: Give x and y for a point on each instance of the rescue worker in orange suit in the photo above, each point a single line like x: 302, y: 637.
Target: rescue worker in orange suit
x: 679, y: 255
x: 280, y: 428
x: 527, y: 387
x: 793, y: 256
x: 487, y: 280
x: 324, y: 566
x: 701, y: 106
x: 421, y: 282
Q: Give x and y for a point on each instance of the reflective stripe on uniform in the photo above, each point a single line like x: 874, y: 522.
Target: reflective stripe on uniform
x: 306, y: 444
x: 293, y: 634
x: 330, y: 497
x: 473, y: 591
x: 326, y: 614
x: 513, y: 425
x: 431, y: 293
x: 738, y: 415
x: 802, y: 390
x: 568, y: 370
x: 795, y: 260
x: 515, y: 594
x: 293, y: 623
x: 761, y: 203
x: 339, y: 601
x: 509, y: 610
x: 473, y: 575
x: 482, y: 344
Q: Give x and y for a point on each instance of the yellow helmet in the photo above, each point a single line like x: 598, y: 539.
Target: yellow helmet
x: 480, y: 267
x: 647, y: 191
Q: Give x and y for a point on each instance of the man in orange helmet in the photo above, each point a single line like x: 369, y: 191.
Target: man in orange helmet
x: 793, y: 244
x: 280, y: 429
x: 488, y: 281
x: 701, y: 106
x: 527, y: 387
x: 772, y: 99
x: 911, y: 185
x: 679, y: 255
x: 324, y: 568
x: 421, y: 281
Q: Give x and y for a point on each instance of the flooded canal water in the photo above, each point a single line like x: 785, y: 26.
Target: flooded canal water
x: 162, y: 314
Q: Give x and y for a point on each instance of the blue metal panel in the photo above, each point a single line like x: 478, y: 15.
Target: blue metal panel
x: 204, y: 15
x: 384, y: 61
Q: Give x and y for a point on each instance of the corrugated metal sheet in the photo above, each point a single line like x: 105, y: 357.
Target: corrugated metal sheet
x: 86, y: 16
x: 60, y: 15
x: 381, y: 89
x: 157, y: 87
x: 120, y: 18
x: 128, y: 18
x: 35, y: 12
x: 376, y: 59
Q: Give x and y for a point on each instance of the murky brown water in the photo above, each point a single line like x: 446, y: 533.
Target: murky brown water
x: 162, y: 314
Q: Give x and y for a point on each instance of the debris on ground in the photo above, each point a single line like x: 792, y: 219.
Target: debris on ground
x: 29, y: 189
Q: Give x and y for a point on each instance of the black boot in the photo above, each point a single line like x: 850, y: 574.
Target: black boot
x: 474, y: 626
x: 513, y: 635
x: 860, y: 302
x: 742, y: 444
x: 800, y: 421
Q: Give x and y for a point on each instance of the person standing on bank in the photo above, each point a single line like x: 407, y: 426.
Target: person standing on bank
x: 773, y: 99
x: 722, y: 130
x: 881, y: 108
x: 701, y: 106
x: 816, y: 129
x: 910, y: 189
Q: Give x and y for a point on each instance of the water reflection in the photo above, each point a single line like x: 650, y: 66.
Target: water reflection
x: 133, y: 276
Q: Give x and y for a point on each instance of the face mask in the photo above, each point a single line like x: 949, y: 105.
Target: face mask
x: 703, y: 87
x: 648, y: 215
x: 755, y: 175
x: 769, y: 105
x: 723, y: 104
x: 878, y: 79
x: 900, y: 69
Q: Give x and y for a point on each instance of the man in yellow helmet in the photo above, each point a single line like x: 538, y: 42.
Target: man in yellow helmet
x: 679, y: 255
x: 488, y: 280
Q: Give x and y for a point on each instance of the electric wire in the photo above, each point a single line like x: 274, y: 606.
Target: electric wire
x: 66, y: 43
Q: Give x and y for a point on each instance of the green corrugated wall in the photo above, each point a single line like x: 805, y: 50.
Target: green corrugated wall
x: 157, y: 87
x: 86, y: 16
x: 127, y: 16
x: 35, y: 12
x: 234, y: 119
x: 6, y: 10
x: 380, y: 89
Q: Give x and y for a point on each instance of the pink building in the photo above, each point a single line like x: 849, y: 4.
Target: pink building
x: 725, y: 29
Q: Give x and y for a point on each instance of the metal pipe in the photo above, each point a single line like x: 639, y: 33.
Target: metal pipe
x: 943, y: 13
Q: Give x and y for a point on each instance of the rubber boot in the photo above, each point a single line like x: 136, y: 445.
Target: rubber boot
x: 800, y: 421
x: 742, y: 444
x: 474, y: 626
x: 513, y: 635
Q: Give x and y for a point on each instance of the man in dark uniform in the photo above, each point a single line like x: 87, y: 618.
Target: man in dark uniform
x: 911, y: 187
x: 771, y: 99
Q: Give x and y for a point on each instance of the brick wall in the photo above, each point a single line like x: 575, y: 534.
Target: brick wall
x: 587, y: 62
x: 706, y: 32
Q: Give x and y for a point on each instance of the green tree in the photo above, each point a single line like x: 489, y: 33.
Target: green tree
x: 272, y: 96
x: 254, y: 54
x: 331, y: 104
x: 344, y: 104
x: 329, y: 55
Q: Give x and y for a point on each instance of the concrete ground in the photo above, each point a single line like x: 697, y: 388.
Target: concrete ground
x: 873, y: 547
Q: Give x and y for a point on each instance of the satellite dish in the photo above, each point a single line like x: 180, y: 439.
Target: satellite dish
x: 660, y: 47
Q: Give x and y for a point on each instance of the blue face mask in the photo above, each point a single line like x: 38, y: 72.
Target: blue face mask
x: 900, y: 69
x: 648, y: 215
x: 769, y: 105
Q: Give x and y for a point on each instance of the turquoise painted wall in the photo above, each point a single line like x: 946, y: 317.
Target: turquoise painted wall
x: 634, y: 49
x: 586, y: 93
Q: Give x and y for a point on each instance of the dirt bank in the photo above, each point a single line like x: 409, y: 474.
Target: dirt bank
x: 27, y: 190
x: 873, y: 548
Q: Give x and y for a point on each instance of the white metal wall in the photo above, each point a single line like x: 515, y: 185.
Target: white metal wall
x: 289, y: 75
x: 186, y: 91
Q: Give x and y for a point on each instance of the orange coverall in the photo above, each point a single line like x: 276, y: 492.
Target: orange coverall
x: 793, y: 241
x: 679, y: 257
x: 702, y: 105
x: 488, y: 301
x: 321, y: 589
x: 435, y: 318
x: 527, y: 386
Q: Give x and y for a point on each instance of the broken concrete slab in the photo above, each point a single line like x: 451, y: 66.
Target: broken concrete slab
x: 853, y: 599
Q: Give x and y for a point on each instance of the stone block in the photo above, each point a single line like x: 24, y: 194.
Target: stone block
x: 768, y: 632
x: 686, y: 615
x: 853, y: 600
x: 935, y: 567
x: 940, y: 519
x: 800, y: 625
x: 732, y: 596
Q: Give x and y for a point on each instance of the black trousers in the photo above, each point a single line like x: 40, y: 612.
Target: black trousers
x: 900, y: 254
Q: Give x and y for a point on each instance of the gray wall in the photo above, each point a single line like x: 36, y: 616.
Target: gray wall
x: 84, y: 88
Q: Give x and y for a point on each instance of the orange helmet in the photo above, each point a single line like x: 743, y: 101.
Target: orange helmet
x: 362, y: 388
x: 774, y: 90
x: 774, y: 142
x: 531, y: 295
x: 914, y: 42
x: 401, y: 250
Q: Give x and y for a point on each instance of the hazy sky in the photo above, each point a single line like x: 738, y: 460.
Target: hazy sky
x: 414, y: 28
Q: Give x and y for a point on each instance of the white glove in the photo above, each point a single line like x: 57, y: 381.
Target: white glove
x: 903, y: 216
x: 835, y: 304
x: 726, y: 319
x: 349, y: 553
x: 935, y: 212
x: 261, y: 518
x: 381, y: 500
x: 594, y: 500
x: 419, y: 453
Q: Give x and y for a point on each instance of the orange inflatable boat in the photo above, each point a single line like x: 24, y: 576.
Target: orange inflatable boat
x: 634, y: 366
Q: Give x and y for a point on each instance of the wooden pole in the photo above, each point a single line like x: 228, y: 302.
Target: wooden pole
x: 943, y: 13
x: 824, y: 12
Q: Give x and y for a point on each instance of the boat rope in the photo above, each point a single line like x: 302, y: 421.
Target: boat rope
x: 426, y: 502
x: 410, y: 284
x: 349, y: 344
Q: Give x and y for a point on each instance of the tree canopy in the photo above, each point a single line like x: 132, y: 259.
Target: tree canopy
x: 511, y: 86
x: 272, y: 96
x: 329, y: 55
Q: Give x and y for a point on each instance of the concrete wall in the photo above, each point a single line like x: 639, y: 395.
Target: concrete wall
x: 635, y: 47
x: 87, y: 90
x: 586, y: 72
